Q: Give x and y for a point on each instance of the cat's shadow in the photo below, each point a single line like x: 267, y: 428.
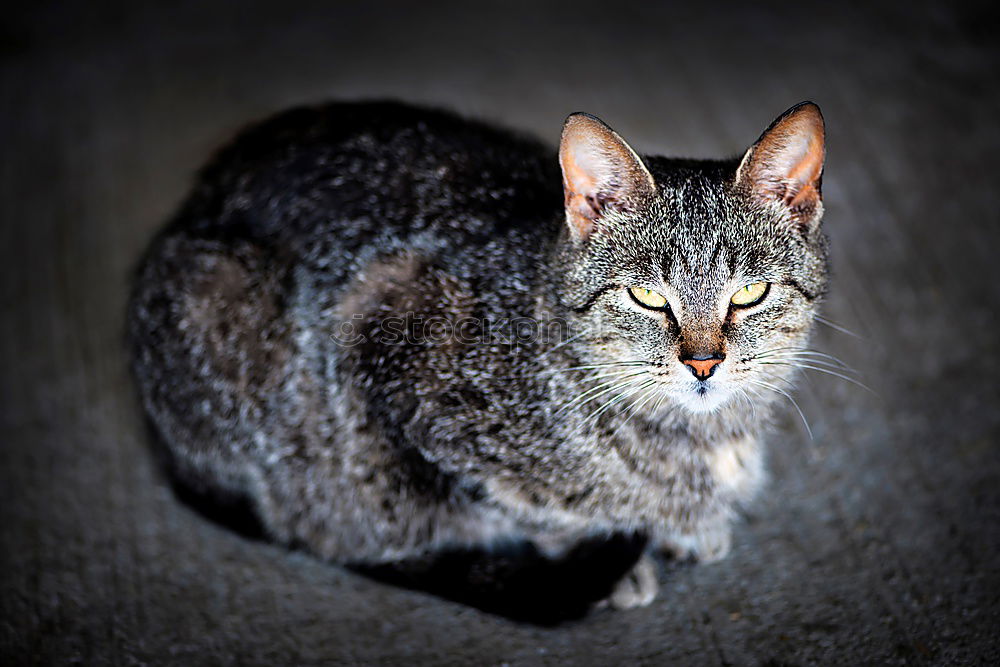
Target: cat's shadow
x: 518, y: 581
x: 514, y: 580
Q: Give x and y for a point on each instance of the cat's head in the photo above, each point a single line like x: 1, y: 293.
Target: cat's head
x: 696, y: 281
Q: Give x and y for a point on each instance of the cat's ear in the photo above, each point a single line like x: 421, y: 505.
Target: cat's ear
x: 600, y: 172
x: 786, y: 164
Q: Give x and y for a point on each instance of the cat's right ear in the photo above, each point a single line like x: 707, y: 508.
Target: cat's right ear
x: 600, y: 172
x: 785, y: 166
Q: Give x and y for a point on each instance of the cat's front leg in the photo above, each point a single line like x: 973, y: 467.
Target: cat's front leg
x: 637, y: 588
x: 707, y: 542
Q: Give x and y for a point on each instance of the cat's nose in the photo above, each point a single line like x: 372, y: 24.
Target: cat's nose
x: 702, y: 365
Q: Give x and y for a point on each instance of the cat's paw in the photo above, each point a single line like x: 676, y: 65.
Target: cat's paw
x: 706, y: 545
x: 637, y: 588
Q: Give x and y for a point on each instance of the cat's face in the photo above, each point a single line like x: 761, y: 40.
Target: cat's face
x: 696, y: 282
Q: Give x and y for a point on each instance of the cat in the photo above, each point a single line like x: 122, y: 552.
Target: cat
x: 395, y: 332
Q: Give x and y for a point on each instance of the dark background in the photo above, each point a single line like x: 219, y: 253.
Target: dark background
x: 875, y: 542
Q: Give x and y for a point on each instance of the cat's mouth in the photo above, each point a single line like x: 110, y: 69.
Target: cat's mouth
x: 705, y: 396
x: 695, y: 396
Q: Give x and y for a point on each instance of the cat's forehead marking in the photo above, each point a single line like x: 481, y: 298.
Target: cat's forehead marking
x: 705, y: 267
x: 695, y: 243
x: 698, y: 254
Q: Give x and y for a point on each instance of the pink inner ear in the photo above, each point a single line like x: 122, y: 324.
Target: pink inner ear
x: 786, y: 163
x: 599, y: 169
x: 577, y: 184
x: 804, y: 175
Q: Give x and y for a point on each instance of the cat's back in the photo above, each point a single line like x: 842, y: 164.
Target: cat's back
x: 286, y: 219
x: 370, y: 172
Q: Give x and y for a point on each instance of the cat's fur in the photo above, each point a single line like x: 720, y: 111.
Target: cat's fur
x: 259, y: 328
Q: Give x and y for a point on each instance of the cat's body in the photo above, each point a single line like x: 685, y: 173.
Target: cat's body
x: 336, y: 328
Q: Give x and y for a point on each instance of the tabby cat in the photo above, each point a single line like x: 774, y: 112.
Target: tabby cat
x: 395, y: 331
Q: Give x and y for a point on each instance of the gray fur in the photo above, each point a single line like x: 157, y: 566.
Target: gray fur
x: 326, y: 223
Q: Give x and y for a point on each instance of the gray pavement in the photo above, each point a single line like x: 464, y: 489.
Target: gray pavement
x: 875, y: 541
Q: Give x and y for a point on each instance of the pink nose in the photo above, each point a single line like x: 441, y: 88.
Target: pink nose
x: 702, y: 368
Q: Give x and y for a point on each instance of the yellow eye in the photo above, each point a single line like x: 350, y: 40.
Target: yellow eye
x: 748, y: 295
x: 648, y: 298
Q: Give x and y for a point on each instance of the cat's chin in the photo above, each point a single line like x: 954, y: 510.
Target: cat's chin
x: 705, y: 400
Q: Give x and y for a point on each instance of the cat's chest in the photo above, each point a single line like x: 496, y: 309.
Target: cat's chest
x: 735, y: 465
x: 676, y: 469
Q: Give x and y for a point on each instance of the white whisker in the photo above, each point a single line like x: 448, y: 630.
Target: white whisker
x: 603, y: 388
x: 746, y: 397
x: 588, y: 367
x: 800, y: 351
x: 837, y: 327
x: 563, y: 343
x: 636, y: 406
x: 789, y: 397
x: 617, y: 399
x: 819, y: 369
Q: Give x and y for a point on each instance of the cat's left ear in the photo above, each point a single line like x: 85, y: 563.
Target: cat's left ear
x: 600, y: 172
x: 785, y: 166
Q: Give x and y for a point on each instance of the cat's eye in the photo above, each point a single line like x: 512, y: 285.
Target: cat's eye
x: 647, y: 298
x: 750, y: 295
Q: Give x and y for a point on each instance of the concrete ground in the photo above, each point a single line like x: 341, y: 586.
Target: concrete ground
x: 876, y: 540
